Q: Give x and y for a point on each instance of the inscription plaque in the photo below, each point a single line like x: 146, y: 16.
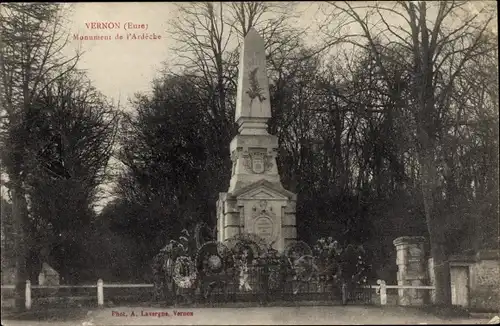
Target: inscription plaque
x: 263, y: 227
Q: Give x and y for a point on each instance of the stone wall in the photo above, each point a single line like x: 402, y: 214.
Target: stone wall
x: 8, y: 275
x: 485, y: 281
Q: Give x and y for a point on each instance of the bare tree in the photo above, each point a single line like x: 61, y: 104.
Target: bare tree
x: 30, y: 59
x: 442, y: 38
x: 209, y: 33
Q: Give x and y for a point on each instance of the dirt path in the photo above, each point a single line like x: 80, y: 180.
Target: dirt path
x: 270, y: 316
x: 319, y: 315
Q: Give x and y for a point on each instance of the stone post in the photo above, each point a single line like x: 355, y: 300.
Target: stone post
x: 100, y: 292
x: 28, y: 295
x: 430, y: 273
x: 411, y: 269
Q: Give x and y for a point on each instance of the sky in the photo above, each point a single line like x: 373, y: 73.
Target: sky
x: 119, y: 68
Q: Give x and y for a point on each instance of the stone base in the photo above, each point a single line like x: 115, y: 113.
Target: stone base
x: 412, y: 297
x: 254, y: 159
x: 261, y: 208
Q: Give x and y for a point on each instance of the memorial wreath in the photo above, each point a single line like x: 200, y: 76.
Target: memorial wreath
x: 212, y: 258
x: 185, y: 272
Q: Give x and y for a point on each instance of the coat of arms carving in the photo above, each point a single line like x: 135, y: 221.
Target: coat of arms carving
x: 257, y: 162
x: 262, y: 209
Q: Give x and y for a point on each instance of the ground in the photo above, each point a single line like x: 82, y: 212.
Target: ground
x: 319, y: 315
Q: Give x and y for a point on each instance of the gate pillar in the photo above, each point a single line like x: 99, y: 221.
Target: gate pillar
x: 411, y: 269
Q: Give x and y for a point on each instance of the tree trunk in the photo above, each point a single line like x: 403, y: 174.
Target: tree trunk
x: 19, y: 214
x: 435, y: 228
x: 442, y: 278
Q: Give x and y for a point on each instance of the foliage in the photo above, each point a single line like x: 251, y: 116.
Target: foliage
x: 168, y: 155
x: 73, y: 135
x: 347, y: 264
x: 8, y: 248
x: 30, y: 60
x: 432, y: 55
x: 57, y: 137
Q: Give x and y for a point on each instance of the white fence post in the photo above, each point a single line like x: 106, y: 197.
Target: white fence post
x: 100, y: 292
x: 27, y: 302
x: 383, y: 292
x: 344, y: 293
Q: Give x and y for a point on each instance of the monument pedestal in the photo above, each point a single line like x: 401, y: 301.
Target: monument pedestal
x: 261, y: 208
x: 256, y: 201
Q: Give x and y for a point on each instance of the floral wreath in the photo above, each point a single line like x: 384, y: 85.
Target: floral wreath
x: 212, y: 258
x: 244, y: 253
x: 185, y: 281
x: 251, y: 241
x: 297, y: 249
x: 304, y: 268
x: 200, y: 227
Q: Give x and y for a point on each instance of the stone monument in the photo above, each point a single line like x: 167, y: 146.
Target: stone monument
x: 48, y: 276
x: 256, y: 201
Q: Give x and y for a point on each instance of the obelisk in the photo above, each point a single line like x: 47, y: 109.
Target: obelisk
x: 253, y: 105
x: 256, y: 201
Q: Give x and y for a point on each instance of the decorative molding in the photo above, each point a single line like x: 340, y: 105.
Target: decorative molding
x: 231, y: 226
x: 234, y: 160
x: 241, y: 217
x: 251, y: 189
x: 262, y: 195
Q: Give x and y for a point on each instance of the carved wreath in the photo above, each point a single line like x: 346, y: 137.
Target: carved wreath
x: 255, y: 91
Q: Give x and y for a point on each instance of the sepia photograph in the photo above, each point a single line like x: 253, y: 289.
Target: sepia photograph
x: 249, y: 163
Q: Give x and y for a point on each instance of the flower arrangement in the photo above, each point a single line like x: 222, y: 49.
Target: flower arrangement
x: 185, y: 273
x: 241, y: 263
x: 325, y: 264
x: 276, y: 265
x: 345, y: 264
x: 213, y: 258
